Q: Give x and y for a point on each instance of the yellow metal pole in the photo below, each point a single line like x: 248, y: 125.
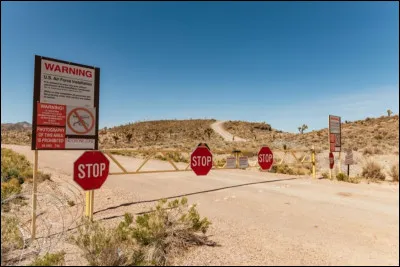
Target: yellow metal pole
x: 34, y: 197
x: 340, y: 159
x: 330, y: 174
x: 313, y: 162
x: 87, y: 206
x: 91, y: 204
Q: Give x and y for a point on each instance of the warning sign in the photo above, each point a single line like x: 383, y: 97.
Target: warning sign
x: 230, y: 163
x: 66, y: 100
x: 51, y: 114
x: 335, y: 132
x: 243, y: 162
x: 50, y: 137
x: 80, y: 121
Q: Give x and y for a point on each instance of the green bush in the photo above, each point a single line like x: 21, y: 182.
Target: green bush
x: 156, y: 239
x: 50, y: 259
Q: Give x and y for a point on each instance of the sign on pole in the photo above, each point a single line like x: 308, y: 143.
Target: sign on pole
x: 335, y: 131
x: 265, y: 158
x: 331, y: 160
x: 349, y: 160
x: 91, y: 170
x: 65, y: 105
x: 201, y: 160
x: 243, y: 162
x: 230, y: 163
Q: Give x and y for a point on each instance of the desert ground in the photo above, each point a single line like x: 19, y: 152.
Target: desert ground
x: 257, y: 218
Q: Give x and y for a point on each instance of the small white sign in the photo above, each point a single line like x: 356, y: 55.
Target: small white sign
x: 243, y: 162
x: 79, y: 143
x: 230, y: 163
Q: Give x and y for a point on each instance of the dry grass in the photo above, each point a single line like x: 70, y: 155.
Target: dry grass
x: 11, y: 237
x: 50, y: 259
x: 373, y: 171
x: 156, y: 238
x: 394, y: 172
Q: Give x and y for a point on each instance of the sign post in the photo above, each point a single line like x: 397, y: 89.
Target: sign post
x: 65, y: 111
x: 265, y: 158
x: 331, y: 164
x: 335, y: 137
x: 349, y: 160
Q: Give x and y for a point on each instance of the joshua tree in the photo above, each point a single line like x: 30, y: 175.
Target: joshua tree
x: 116, y: 138
x: 129, y: 137
x: 208, y: 131
x: 302, y: 128
x: 389, y: 112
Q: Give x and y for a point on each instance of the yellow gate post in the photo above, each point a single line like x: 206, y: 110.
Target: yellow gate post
x: 340, y: 158
x: 313, y: 161
x: 91, y: 204
x: 87, y: 206
x: 34, y: 197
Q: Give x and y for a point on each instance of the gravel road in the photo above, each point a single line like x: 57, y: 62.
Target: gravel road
x: 260, y: 218
x: 218, y: 127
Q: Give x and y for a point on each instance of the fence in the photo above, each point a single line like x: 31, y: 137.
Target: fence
x: 291, y: 158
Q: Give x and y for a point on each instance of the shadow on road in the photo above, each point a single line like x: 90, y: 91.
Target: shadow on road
x: 190, y: 194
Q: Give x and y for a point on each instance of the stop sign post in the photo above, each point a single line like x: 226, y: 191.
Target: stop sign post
x: 265, y: 158
x: 90, y: 172
x: 331, y: 164
x: 201, y: 160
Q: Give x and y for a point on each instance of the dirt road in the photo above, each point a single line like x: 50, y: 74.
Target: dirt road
x: 219, y: 129
x: 261, y: 218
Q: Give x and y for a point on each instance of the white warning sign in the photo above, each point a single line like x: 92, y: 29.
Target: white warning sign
x: 81, y: 121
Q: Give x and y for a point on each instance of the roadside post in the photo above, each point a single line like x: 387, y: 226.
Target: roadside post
x: 313, y: 161
x: 335, y: 137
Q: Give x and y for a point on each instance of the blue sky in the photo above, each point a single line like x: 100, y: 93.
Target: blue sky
x: 285, y: 63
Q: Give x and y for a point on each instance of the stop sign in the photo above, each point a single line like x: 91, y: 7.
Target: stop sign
x: 91, y: 170
x: 201, y: 160
x: 265, y: 158
x: 331, y: 160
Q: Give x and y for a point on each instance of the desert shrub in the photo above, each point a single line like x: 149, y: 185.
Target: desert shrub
x: 11, y: 237
x: 394, y: 172
x: 343, y: 177
x: 368, y: 151
x: 100, y: 246
x: 282, y: 168
x: 325, y: 175
x: 377, y: 151
x: 372, y: 170
x: 158, y: 236
x: 14, y: 165
x: 50, y: 259
x: 10, y: 188
x: 71, y: 203
x: 169, y: 230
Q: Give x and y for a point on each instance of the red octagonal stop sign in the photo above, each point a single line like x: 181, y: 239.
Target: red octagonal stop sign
x: 265, y: 158
x: 331, y: 160
x: 201, y: 160
x: 91, y: 170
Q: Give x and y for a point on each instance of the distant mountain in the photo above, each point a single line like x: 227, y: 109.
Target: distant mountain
x: 16, y: 126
